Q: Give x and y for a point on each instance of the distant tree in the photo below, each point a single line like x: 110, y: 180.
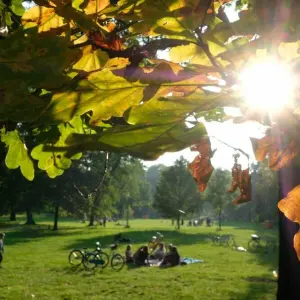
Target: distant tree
x: 176, y: 190
x: 216, y: 193
x: 153, y: 175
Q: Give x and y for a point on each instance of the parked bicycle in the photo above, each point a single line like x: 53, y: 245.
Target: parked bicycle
x: 102, y: 259
x: 155, y: 241
x: 226, y: 240
x: 257, y: 243
x: 80, y: 256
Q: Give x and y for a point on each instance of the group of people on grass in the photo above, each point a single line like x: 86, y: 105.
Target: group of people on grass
x: 158, y: 256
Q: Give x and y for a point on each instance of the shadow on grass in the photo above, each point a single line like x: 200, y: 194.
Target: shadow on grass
x: 257, y: 289
x: 142, y: 237
x: 26, y: 233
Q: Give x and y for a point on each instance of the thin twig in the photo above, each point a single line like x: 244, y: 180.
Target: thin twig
x: 234, y: 148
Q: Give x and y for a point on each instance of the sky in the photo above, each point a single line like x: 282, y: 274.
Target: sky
x: 235, y: 135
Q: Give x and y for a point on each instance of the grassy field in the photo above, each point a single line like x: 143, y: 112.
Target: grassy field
x: 36, y: 264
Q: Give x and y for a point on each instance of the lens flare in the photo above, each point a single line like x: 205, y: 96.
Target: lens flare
x: 268, y: 85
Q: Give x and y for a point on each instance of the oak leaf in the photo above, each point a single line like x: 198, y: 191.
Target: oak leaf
x: 290, y: 207
x: 201, y: 167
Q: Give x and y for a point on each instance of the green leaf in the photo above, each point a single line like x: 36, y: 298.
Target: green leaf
x: 36, y: 60
x: 56, y: 162
x: 17, y: 155
x: 108, y: 93
x: 17, y: 7
x: 143, y: 141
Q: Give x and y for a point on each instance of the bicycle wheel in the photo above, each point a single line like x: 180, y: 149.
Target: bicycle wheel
x: 90, y: 261
x: 117, y: 262
x: 217, y: 241
x: 76, y: 257
x: 253, y: 246
x: 231, y: 242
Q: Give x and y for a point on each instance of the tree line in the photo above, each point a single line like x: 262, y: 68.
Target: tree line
x: 119, y: 186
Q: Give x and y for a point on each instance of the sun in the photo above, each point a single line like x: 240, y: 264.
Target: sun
x: 268, y: 85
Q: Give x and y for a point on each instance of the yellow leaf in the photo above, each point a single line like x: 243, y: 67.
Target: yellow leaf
x: 91, y: 60
x: 44, y: 17
x: 289, y: 51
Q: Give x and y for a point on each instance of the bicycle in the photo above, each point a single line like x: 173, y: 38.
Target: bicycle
x: 226, y: 240
x: 117, y: 261
x: 255, y: 244
x: 80, y: 256
x: 101, y: 258
x: 155, y: 241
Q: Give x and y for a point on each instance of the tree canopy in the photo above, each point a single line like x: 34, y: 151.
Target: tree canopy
x: 86, y: 75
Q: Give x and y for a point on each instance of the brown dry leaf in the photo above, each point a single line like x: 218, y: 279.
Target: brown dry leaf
x: 201, y: 167
x: 297, y: 244
x: 236, y: 172
x: 112, y: 42
x: 290, y: 205
x: 244, y: 183
x: 261, y: 147
x: 278, y: 155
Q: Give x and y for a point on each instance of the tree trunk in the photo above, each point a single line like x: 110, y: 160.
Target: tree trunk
x: 29, y: 218
x: 92, y: 219
x: 178, y: 222
x: 289, y: 265
x: 55, y: 225
x: 172, y: 221
x: 127, y: 216
x: 182, y: 222
x: 220, y: 220
x: 12, y: 216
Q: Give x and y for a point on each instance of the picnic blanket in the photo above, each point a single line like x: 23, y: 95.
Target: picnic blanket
x: 188, y: 260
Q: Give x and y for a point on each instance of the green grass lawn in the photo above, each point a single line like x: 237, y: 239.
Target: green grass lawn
x: 36, y: 264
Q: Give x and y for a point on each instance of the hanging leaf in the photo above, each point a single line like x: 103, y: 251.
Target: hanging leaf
x: 280, y: 154
x: 245, y: 188
x: 201, y: 167
x: 17, y: 155
x: 290, y: 207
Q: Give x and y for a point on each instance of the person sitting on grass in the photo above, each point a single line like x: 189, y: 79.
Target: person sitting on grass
x: 128, y: 254
x: 160, y: 252
x: 2, y: 236
x: 141, y: 256
x: 172, y: 258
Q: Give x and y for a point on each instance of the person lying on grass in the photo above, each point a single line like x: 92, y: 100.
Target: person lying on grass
x: 141, y: 256
x: 172, y: 258
x: 159, y: 252
x: 2, y: 236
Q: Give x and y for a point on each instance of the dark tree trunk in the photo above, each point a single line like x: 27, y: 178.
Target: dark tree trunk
x: 220, y: 220
x: 12, y: 216
x: 92, y: 219
x: 178, y: 222
x: 29, y: 218
x: 55, y: 225
x: 172, y: 221
x: 182, y: 222
x: 289, y: 266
